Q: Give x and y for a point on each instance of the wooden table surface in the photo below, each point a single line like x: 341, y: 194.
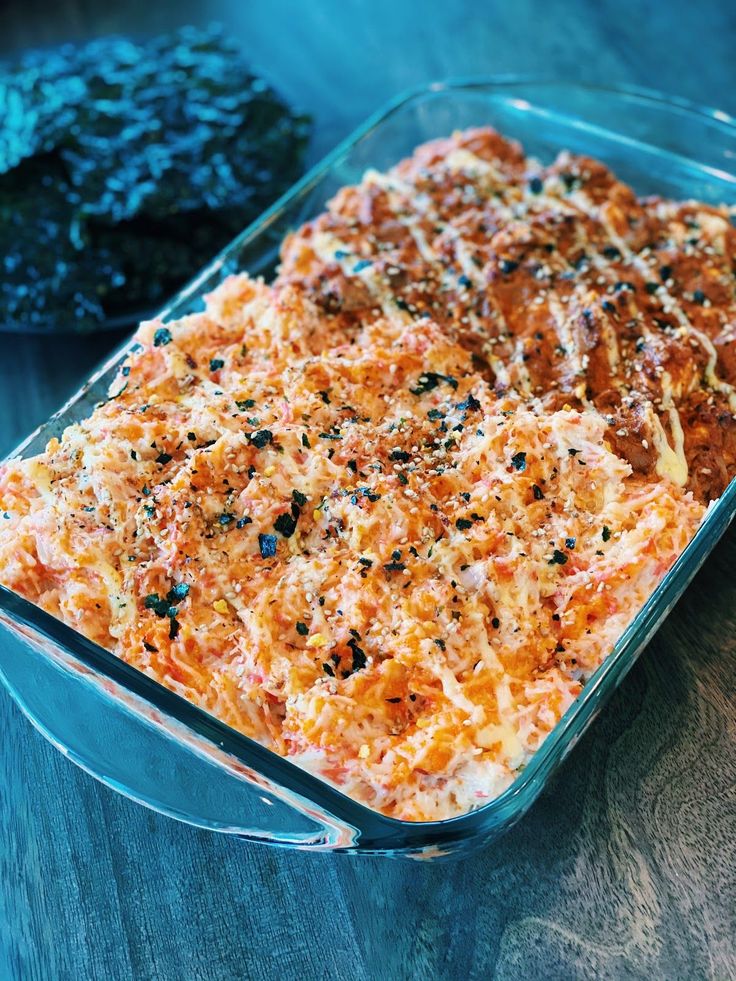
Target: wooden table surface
x: 626, y: 867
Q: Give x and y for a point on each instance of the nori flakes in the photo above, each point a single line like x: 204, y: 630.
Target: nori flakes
x: 125, y: 166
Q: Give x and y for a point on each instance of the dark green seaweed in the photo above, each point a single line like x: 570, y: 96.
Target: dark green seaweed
x: 125, y: 166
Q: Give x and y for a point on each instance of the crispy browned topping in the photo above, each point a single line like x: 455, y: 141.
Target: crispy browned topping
x: 561, y: 283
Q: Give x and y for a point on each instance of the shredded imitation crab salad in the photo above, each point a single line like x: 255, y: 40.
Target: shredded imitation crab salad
x: 351, y: 537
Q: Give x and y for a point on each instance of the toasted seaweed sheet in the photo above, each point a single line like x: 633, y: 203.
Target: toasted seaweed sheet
x: 124, y: 166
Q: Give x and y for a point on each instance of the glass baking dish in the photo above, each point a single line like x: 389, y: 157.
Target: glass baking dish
x: 157, y: 748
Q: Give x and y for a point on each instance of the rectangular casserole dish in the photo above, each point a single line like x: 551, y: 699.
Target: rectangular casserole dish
x: 159, y: 749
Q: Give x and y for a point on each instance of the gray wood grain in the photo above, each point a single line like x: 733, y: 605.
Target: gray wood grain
x: 626, y: 868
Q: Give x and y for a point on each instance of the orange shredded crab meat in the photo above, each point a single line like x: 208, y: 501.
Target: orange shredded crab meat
x: 342, y: 536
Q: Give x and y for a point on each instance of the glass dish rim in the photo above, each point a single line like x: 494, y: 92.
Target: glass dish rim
x: 247, y: 750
